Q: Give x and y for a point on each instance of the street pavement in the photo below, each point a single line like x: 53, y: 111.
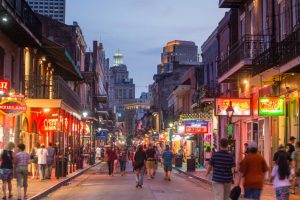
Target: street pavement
x: 96, y: 184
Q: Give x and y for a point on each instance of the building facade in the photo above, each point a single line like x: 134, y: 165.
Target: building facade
x: 262, y: 65
x: 55, y: 9
x: 121, y: 87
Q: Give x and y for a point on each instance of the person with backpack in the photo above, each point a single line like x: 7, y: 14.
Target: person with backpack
x: 282, y: 173
x: 34, y: 161
x: 22, y: 160
x: 6, y: 168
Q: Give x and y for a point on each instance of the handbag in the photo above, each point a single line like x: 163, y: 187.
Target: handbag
x: 235, y: 193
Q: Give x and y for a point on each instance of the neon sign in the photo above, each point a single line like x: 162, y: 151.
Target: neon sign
x: 12, y: 107
x: 271, y: 106
x: 4, y: 84
x: 196, y: 127
x: 241, y: 106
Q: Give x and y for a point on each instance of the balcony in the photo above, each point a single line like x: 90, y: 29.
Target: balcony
x: 241, y: 55
x: 22, y: 25
x: 44, y: 88
x: 279, y: 53
x: 230, y: 3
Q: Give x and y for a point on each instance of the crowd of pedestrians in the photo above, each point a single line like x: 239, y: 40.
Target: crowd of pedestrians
x: 145, y: 161
x: 16, y: 163
x: 252, y: 170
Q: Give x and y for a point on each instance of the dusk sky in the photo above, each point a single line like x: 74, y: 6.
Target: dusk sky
x: 140, y: 28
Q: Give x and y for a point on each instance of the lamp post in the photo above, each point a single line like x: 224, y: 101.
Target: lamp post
x: 230, y: 111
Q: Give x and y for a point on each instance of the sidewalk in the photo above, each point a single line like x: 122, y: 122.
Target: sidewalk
x: 268, y: 190
x: 38, y: 188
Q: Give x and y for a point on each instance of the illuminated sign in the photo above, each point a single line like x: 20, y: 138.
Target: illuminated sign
x: 4, y: 84
x: 12, y: 107
x: 242, y: 107
x: 180, y: 129
x: 163, y: 137
x: 271, y: 106
x: 196, y: 127
x: 52, y: 124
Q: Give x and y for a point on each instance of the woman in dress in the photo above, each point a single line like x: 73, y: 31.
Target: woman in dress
x: 6, y: 168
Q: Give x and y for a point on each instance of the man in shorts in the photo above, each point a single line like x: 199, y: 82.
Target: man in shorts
x: 167, y: 161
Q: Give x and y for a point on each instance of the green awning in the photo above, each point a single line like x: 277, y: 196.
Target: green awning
x: 61, y: 58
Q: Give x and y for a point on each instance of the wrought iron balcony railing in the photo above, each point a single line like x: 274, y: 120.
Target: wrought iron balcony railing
x: 45, y: 88
x: 279, y: 53
x: 26, y: 15
x: 248, y: 48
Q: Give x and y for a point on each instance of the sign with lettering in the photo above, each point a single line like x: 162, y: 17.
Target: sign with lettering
x: 196, y: 127
x: 12, y: 107
x: 4, y: 86
x: 241, y: 106
x: 271, y: 106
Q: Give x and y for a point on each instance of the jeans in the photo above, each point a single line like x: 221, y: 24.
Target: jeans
x: 140, y: 178
x: 252, y: 193
x: 122, y: 166
x: 42, y: 170
x: 110, y: 164
x: 49, y: 171
x: 221, y: 190
x: 22, y: 174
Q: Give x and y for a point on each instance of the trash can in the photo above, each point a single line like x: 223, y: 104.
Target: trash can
x: 178, y: 161
x: 191, y: 165
x: 61, y: 169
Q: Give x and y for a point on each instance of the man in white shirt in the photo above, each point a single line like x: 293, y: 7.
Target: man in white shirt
x: 42, y: 154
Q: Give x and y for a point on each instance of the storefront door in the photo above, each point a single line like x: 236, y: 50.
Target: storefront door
x: 261, y: 136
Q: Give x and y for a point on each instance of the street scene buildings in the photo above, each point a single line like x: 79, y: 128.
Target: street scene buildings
x: 59, y: 90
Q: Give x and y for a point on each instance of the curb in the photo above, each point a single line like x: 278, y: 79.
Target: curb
x: 194, y: 176
x: 60, y: 184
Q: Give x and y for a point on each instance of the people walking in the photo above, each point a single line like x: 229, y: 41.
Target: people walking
x: 167, y: 157
x: 116, y: 156
x: 139, y: 166
x: 133, y: 151
x: 50, y: 161
x: 282, y: 173
x: 6, y: 168
x: 42, y: 154
x: 22, y: 160
x: 222, y: 163
x: 34, y: 161
x: 150, y: 163
x: 123, y: 158
x: 253, y: 168
x: 110, y: 157
x: 290, y: 145
x: 281, y: 150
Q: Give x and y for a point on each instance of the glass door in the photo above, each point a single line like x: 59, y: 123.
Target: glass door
x: 261, y: 136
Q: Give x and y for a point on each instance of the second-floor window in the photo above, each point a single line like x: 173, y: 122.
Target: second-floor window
x: 296, y: 12
x: 282, y: 20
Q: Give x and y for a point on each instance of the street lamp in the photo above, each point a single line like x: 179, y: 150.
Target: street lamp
x: 230, y: 111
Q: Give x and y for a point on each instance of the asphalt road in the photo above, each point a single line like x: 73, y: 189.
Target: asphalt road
x: 96, y: 184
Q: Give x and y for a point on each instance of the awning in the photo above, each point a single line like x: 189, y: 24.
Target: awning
x: 62, y: 59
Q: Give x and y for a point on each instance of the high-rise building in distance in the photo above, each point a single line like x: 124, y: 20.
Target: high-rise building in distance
x: 56, y: 9
x: 180, y: 52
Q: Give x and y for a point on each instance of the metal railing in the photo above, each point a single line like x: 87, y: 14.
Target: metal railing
x: 279, y: 53
x: 248, y: 48
x: 26, y: 15
x: 45, y: 88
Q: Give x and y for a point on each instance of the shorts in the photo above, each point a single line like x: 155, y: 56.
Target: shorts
x: 22, y: 176
x: 6, y: 174
x: 150, y: 164
x: 168, y: 168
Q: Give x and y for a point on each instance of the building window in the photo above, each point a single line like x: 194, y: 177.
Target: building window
x: 296, y: 12
x: 282, y: 21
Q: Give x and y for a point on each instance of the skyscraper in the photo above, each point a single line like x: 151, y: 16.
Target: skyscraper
x: 56, y: 9
x: 121, y: 87
x: 180, y: 52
